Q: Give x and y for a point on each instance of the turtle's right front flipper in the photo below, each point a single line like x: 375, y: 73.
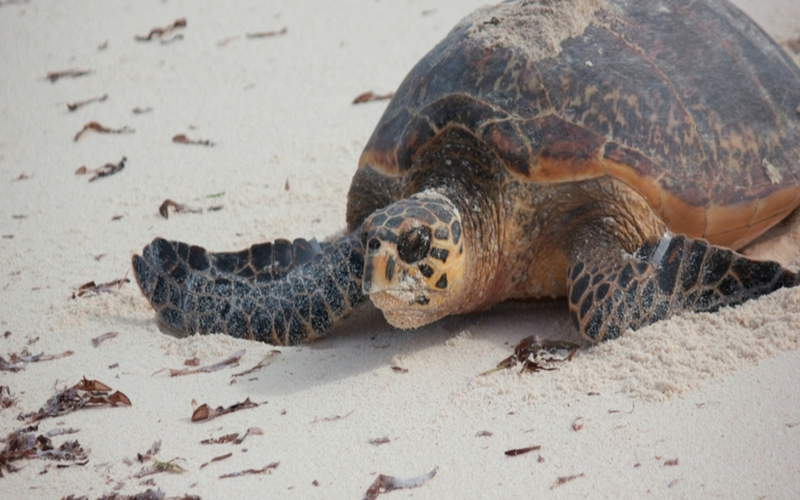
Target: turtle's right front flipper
x: 611, y: 290
x: 194, y: 291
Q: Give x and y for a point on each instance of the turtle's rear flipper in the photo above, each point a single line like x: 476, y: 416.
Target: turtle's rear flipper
x: 280, y: 293
x: 611, y: 290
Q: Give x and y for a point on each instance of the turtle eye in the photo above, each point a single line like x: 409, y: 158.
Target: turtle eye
x: 414, y: 244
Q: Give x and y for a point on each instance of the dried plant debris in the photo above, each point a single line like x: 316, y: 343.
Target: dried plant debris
x: 370, y: 96
x: 565, y: 479
x: 671, y: 463
x: 55, y: 76
x: 385, y: 484
x: 484, y: 434
x: 577, y: 424
x: 23, y: 443
x: 6, y: 399
x: 140, y: 111
x: 17, y: 362
x: 379, y: 441
x: 261, y: 364
x: 162, y: 33
x: 205, y: 412
x: 158, y: 467
x: 85, y: 394
x: 182, y: 139
x: 217, y: 459
x: 256, y: 431
x: 150, y: 453
x: 156, y: 494
x: 536, y: 354
x: 102, y: 338
x: 181, y: 208
x: 522, y: 451
x: 333, y: 418
x: 227, y: 438
x: 399, y: 369
x: 266, y: 470
x: 74, y: 106
x: 21, y: 177
x: 268, y: 34
x: 104, y: 171
x: 101, y: 129
x: 233, y: 359
x: 91, y: 289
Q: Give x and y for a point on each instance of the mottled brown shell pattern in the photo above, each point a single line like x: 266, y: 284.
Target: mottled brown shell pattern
x: 689, y: 103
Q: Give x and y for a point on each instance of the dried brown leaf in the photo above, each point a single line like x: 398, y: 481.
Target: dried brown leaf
x: 268, y: 469
x: 84, y: 394
x: 146, y: 456
x: 227, y: 438
x: 522, y: 451
x: 233, y: 359
x: 55, y: 76
x: 217, y: 459
x: 74, y: 106
x: 91, y: 288
x: 6, y: 399
x: 261, y: 364
x: 268, y: 34
x: 385, y: 484
x: 182, y: 139
x: 160, y: 33
x: 101, y: 129
x: 102, y: 338
x: 565, y: 479
x: 370, y: 96
x: 204, y: 412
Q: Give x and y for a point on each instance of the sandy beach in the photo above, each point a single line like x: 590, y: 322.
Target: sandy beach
x: 699, y: 406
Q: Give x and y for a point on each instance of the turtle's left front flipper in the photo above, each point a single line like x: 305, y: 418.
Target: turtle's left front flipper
x: 611, y: 290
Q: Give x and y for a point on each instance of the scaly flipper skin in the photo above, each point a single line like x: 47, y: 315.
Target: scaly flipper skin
x: 282, y: 300
x: 611, y: 290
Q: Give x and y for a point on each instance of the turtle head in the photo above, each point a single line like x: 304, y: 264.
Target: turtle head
x: 415, y: 259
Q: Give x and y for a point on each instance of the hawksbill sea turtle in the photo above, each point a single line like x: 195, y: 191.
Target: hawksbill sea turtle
x: 613, y: 152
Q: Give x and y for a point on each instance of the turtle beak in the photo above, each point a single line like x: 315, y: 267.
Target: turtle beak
x: 379, y: 271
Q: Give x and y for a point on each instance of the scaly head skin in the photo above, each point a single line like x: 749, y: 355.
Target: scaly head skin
x: 415, y: 263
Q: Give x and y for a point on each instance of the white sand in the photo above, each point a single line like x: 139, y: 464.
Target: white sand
x: 716, y: 392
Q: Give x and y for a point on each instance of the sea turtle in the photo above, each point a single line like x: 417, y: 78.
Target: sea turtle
x: 613, y: 152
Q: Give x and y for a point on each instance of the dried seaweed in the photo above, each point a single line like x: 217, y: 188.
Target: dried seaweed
x: 227, y: 438
x: 217, y: 459
x: 102, y: 338
x: 159, y: 467
x: 522, y: 451
x: 156, y: 494
x: 160, y: 33
x: 268, y: 34
x: 55, y: 76
x: 233, y: 359
x: 178, y: 207
x: 370, y: 96
x: 261, y: 364
x: 204, y: 412
x: 182, y: 139
x: 385, y: 484
x: 74, y: 106
x: 101, y: 129
x: 535, y: 354
x: 23, y: 443
x: 86, y: 393
x: 266, y: 470
x: 332, y: 417
x: 17, y: 362
x: 565, y: 479
x: 104, y: 171
x: 150, y: 453
x: 90, y: 289
x: 6, y: 399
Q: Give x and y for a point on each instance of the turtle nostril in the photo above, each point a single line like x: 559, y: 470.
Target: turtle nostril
x: 414, y: 244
